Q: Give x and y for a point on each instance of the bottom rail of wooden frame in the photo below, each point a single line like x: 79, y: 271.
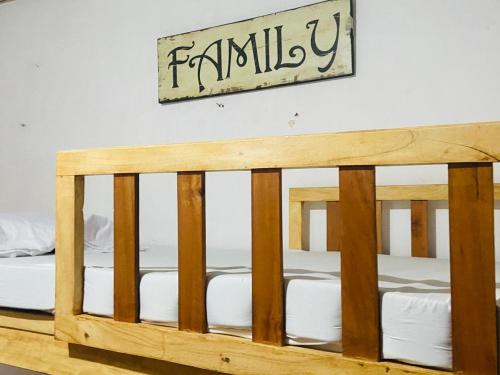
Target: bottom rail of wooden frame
x: 216, y: 352
x: 40, y: 352
x: 32, y: 321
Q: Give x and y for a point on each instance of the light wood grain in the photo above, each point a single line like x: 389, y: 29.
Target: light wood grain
x: 192, y: 251
x: 378, y: 222
x: 69, y: 244
x: 220, y: 352
x: 358, y: 244
x: 268, y: 301
x: 333, y: 226
x: 472, y: 265
x: 296, y: 226
x: 427, y: 192
x: 39, y: 352
x: 126, y: 254
x: 419, y: 145
x: 32, y: 321
x: 419, y: 229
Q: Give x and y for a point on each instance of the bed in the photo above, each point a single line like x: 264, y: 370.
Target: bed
x: 468, y: 149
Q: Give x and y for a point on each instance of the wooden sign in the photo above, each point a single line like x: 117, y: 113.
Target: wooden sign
x: 304, y: 44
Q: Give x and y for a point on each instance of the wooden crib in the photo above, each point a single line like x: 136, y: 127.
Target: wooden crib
x: 469, y: 150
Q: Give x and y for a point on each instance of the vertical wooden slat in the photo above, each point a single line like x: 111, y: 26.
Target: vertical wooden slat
x: 380, y: 243
x: 419, y: 229
x: 333, y: 227
x: 268, y: 318
x: 126, y: 254
x: 360, y: 298
x: 296, y: 226
x: 472, y: 261
x: 69, y: 244
x: 192, y: 251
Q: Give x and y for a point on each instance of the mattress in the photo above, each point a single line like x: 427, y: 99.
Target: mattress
x: 414, y: 293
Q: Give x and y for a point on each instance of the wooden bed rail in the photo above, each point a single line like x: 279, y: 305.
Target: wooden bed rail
x: 469, y: 150
x: 418, y: 195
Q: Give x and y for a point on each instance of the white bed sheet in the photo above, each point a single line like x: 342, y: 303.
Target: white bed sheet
x: 415, y: 299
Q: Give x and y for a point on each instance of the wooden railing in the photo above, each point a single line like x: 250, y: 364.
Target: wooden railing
x: 418, y: 195
x: 469, y: 150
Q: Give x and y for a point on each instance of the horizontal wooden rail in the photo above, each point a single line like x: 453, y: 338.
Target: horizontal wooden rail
x: 420, y: 145
x: 427, y: 192
x: 222, y: 353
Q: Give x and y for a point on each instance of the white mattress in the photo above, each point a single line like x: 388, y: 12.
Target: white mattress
x: 415, y: 299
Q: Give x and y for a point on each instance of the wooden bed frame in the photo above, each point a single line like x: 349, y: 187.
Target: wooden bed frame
x: 468, y: 149
x: 418, y: 195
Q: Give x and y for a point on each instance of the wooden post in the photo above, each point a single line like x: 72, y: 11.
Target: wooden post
x: 380, y: 240
x: 192, y: 251
x: 268, y: 315
x: 126, y: 254
x: 419, y: 229
x: 360, y: 297
x: 333, y: 226
x: 472, y: 261
x: 296, y: 226
x: 69, y: 244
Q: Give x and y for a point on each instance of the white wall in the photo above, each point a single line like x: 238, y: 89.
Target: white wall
x: 77, y: 74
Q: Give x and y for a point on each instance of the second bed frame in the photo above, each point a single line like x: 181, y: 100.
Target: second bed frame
x: 418, y: 195
x: 469, y: 151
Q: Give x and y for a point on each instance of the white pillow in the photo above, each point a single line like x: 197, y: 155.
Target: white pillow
x: 99, y: 234
x: 26, y: 234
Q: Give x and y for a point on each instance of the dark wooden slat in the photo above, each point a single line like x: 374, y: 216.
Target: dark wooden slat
x: 192, y: 251
x: 126, y: 254
x: 380, y: 242
x: 268, y: 315
x: 472, y: 260
x: 360, y: 298
x: 332, y: 226
x: 419, y: 229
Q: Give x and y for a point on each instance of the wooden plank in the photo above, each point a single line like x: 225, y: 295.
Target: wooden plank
x: 296, y: 238
x: 39, y: 352
x: 360, y: 298
x: 192, y: 247
x: 419, y: 229
x: 378, y: 221
x: 69, y: 244
x: 32, y: 321
x: 384, y: 193
x: 333, y: 226
x: 420, y: 145
x: 126, y: 254
x: 308, y: 43
x: 313, y: 194
x: 268, y: 306
x: 472, y: 264
x: 222, y: 353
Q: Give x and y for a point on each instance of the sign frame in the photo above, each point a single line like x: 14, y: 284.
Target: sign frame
x: 169, y: 60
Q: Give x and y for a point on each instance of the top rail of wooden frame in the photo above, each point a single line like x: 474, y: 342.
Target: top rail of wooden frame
x: 474, y: 142
x: 429, y: 192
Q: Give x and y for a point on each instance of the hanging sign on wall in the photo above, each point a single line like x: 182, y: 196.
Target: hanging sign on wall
x: 299, y: 45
